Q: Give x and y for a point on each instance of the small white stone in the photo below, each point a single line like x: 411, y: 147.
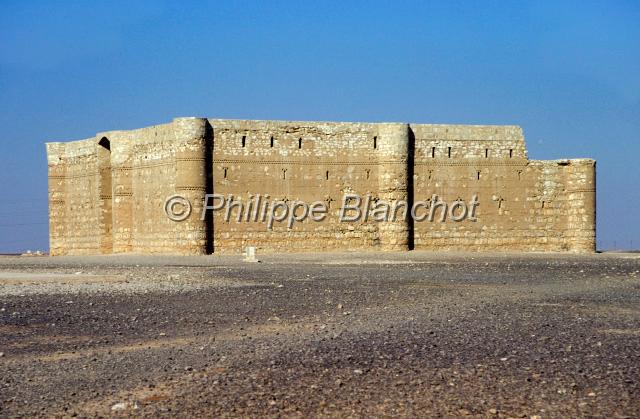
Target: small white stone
x: 119, y: 406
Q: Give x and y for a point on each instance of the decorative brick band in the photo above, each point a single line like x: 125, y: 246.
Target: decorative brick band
x: 76, y: 176
x: 477, y: 162
x: 585, y: 190
x: 191, y: 188
x: 303, y: 163
x: 151, y: 165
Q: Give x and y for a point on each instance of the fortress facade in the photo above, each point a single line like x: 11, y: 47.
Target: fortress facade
x: 108, y: 193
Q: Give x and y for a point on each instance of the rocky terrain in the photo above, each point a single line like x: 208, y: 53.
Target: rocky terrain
x: 349, y: 334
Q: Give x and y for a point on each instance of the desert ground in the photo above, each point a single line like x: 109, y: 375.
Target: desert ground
x: 333, y: 335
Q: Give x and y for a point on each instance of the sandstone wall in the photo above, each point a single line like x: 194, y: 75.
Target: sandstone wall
x: 294, y: 161
x: 104, y: 201
x: 524, y: 205
x: 107, y: 193
x: 79, y: 198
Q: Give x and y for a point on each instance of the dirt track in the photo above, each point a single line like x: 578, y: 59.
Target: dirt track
x: 410, y: 334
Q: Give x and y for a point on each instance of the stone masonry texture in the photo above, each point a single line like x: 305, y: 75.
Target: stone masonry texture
x: 107, y: 193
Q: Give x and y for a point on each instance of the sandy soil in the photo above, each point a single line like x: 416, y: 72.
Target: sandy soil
x: 349, y: 334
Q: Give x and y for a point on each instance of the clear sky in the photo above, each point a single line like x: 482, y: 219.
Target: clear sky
x: 567, y: 72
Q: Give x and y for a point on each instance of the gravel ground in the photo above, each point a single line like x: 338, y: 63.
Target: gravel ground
x: 349, y: 334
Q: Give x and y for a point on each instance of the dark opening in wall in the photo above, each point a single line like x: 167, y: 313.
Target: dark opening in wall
x: 486, y: 153
x: 367, y: 171
x: 225, y: 172
x: 519, y: 174
x: 449, y: 152
x: 104, y: 142
x: 375, y: 142
x: 433, y: 152
x: 271, y: 141
x: 478, y: 174
x: 244, y: 140
x: 299, y: 142
x: 510, y: 153
x: 284, y: 173
x: 327, y: 175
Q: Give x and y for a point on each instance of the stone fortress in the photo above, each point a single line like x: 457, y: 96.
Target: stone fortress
x: 107, y: 194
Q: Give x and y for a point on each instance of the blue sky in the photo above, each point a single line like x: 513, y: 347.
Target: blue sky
x: 567, y: 72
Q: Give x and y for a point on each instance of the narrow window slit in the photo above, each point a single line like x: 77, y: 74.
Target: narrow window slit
x: 375, y: 142
x: 510, y: 153
x: 449, y: 152
x: 433, y: 152
x: 299, y: 142
x: 327, y: 175
x: 225, y: 172
x: 244, y: 140
x: 271, y: 141
x: 486, y: 153
x: 478, y: 174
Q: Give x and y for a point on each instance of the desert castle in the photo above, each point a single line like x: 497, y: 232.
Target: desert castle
x: 108, y: 193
